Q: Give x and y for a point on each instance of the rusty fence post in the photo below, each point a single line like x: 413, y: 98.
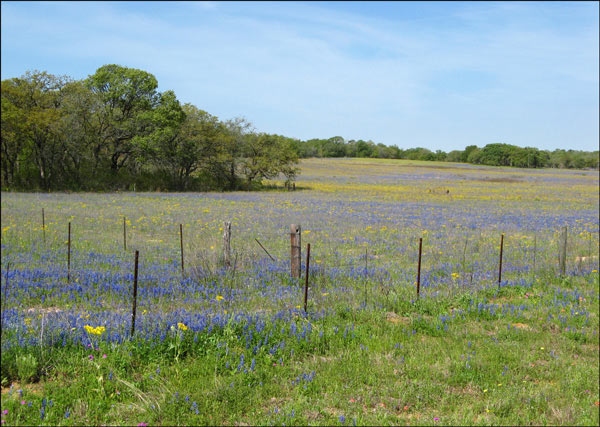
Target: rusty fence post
x: 500, y: 264
x: 181, y: 245
x: 419, y: 267
x: 295, y: 242
x: 69, y: 255
x: 135, y: 282
x: 307, y: 272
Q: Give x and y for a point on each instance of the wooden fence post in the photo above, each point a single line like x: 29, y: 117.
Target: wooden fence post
x: 295, y: 259
x: 562, y: 255
x: 227, y: 243
x: 135, y: 281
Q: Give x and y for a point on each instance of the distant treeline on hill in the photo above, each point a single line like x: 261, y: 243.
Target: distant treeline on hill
x: 491, y: 154
x: 115, y: 131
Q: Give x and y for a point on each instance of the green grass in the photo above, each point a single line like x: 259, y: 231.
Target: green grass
x: 463, y: 354
x: 478, y: 372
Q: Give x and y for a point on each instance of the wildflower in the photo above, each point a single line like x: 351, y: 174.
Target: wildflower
x: 342, y: 419
x: 219, y: 298
x: 485, y: 391
x: 5, y: 412
x: 182, y: 326
x: 91, y: 357
x: 436, y: 419
x: 142, y: 424
x: 94, y: 331
x: 406, y: 408
x: 325, y: 294
x: 23, y: 402
x: 104, y: 356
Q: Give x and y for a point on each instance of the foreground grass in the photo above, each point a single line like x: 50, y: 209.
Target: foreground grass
x: 450, y: 360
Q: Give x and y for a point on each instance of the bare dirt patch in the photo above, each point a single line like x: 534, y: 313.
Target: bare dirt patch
x: 394, y: 318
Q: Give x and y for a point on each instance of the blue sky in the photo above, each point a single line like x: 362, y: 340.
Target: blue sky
x: 436, y: 75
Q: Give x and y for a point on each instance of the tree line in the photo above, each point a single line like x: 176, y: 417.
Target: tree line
x: 496, y: 154
x: 115, y: 131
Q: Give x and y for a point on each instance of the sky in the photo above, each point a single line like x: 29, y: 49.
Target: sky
x: 430, y: 74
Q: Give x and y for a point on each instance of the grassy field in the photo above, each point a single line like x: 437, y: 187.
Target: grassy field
x: 233, y: 346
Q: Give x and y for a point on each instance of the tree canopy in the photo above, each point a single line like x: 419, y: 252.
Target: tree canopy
x: 114, y: 130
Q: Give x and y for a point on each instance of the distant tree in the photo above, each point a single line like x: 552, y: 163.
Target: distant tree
x: 454, y: 156
x: 364, y: 149
x: 467, y: 152
x: 265, y: 157
x: 334, y: 147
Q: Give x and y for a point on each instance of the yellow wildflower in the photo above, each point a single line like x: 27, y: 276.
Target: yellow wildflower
x: 94, y: 331
x: 219, y: 298
x: 182, y: 326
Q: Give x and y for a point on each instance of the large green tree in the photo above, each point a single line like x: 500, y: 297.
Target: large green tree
x: 126, y: 96
x: 32, y: 135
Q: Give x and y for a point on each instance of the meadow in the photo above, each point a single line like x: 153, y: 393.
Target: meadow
x: 232, y: 345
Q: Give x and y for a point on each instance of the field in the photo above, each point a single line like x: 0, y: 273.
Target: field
x: 233, y: 346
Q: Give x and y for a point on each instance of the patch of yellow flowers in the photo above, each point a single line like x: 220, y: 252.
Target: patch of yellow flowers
x: 94, y: 331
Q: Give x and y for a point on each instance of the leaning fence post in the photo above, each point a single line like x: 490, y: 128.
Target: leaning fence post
x: 500, y: 265
x: 181, y: 244
x: 562, y: 255
x: 266, y: 251
x: 307, y: 271
x: 419, y: 267
x: 135, y: 281
x: 227, y: 243
x: 295, y: 260
x: 69, y: 255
